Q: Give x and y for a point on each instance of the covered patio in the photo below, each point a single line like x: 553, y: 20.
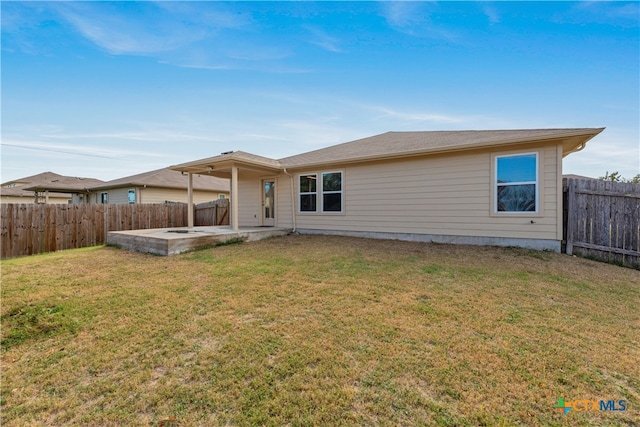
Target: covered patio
x: 227, y: 165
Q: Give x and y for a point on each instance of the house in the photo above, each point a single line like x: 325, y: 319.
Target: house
x: 31, y: 189
x: 159, y: 186
x: 489, y: 187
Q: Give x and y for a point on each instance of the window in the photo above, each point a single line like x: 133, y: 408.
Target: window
x: 222, y: 196
x: 132, y: 196
x: 516, y: 187
x: 104, y: 197
x: 328, y: 192
x: 332, y: 192
x: 308, y: 193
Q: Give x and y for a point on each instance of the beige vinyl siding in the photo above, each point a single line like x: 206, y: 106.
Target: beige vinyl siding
x: 161, y: 195
x: 445, y: 195
x: 117, y: 195
x: 284, y: 210
x: 31, y: 199
x: 250, y: 199
x: 155, y: 195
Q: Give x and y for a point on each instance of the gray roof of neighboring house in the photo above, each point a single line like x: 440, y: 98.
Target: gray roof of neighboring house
x: 167, y: 178
x: 60, y: 185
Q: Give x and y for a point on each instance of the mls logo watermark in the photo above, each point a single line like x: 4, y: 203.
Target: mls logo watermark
x: 585, y: 405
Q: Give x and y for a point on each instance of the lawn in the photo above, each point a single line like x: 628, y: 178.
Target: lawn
x: 313, y: 330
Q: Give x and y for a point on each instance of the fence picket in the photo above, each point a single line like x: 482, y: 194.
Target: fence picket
x: 603, y: 220
x: 36, y: 228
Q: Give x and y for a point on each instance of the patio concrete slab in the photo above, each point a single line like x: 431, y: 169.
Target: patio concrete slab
x: 172, y: 241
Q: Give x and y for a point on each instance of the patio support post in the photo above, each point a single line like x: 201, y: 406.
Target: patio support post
x: 234, y: 198
x: 190, y: 200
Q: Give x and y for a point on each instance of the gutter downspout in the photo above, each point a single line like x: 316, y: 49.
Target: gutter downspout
x: 293, y: 199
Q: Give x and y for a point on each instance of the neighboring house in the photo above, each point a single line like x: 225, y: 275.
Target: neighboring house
x: 572, y: 176
x: 31, y: 189
x: 493, y: 187
x: 159, y: 186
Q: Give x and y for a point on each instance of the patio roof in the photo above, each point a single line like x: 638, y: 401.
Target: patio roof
x: 221, y: 165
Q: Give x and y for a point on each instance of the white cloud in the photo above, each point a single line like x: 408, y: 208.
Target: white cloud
x: 109, y: 152
x: 491, y: 13
x: 119, y: 33
x: 322, y: 39
x: 414, y: 18
x: 421, y: 116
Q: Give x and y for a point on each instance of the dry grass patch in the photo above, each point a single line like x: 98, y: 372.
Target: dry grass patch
x: 311, y: 330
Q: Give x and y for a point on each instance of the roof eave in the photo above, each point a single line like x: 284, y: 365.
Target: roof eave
x: 560, y: 136
x: 224, y: 165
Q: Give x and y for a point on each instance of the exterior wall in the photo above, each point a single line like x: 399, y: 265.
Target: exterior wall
x: 448, y: 195
x: 154, y: 195
x: 31, y: 199
x: 284, y: 212
x: 116, y: 195
x: 161, y: 195
x: 250, y: 199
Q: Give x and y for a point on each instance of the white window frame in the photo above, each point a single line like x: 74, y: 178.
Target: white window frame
x: 104, y: 197
x: 131, y: 190
x: 341, y: 192
x: 315, y: 193
x: 536, y: 183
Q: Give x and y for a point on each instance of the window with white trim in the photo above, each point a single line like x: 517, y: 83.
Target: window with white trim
x: 516, y: 185
x: 132, y: 196
x: 104, y: 197
x: 308, y: 193
x: 332, y: 192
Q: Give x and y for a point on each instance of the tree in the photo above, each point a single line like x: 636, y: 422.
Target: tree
x: 613, y: 177
x: 616, y: 177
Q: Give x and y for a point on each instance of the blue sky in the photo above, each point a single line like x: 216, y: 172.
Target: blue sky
x: 110, y: 89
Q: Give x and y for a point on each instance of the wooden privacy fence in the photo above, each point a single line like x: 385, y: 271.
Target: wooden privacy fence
x: 212, y: 213
x: 602, y: 220
x: 37, y: 228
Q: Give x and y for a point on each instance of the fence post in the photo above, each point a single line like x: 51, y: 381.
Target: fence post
x: 571, y: 214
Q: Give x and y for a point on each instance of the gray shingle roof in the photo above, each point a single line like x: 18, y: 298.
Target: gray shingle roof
x: 167, y: 178
x: 231, y: 156
x: 400, y: 144
x: 396, y: 144
x: 47, y: 180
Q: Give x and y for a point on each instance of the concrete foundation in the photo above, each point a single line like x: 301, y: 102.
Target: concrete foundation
x: 537, y: 244
x: 172, y: 241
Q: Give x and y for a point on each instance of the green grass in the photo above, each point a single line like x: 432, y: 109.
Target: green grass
x: 313, y: 330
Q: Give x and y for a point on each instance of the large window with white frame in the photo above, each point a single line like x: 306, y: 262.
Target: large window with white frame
x: 321, y: 192
x: 332, y: 192
x: 516, y: 183
x: 308, y: 190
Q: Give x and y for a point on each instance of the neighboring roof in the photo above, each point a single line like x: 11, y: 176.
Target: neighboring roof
x: 167, y: 178
x: 399, y: 144
x: 59, y: 184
